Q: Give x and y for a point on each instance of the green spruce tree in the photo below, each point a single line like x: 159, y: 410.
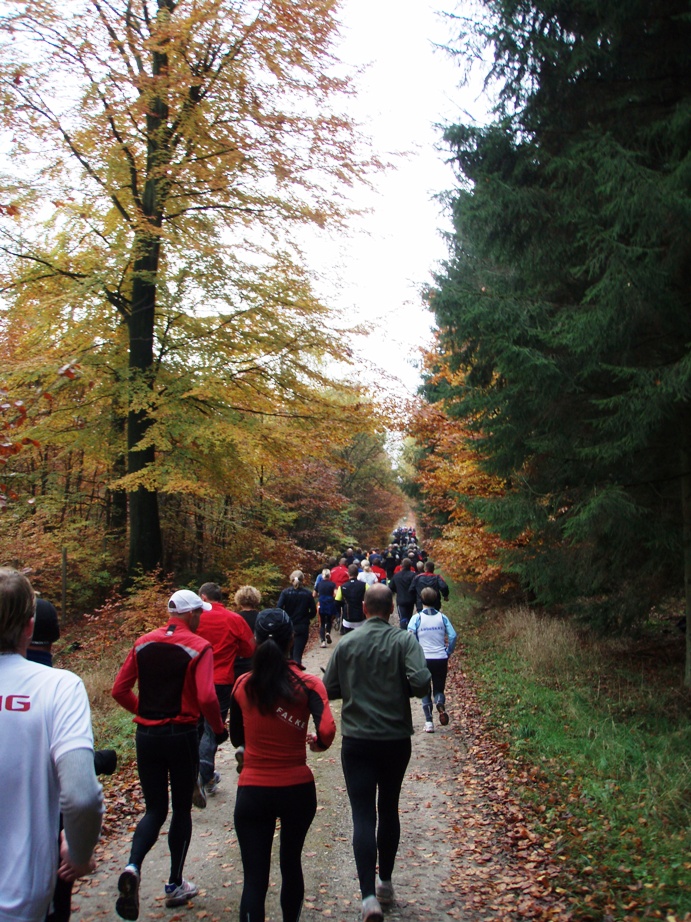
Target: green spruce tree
x: 565, y: 298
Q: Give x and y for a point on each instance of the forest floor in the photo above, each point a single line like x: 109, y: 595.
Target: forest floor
x: 466, y: 851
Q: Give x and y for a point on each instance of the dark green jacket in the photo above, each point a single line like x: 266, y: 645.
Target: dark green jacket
x: 375, y: 670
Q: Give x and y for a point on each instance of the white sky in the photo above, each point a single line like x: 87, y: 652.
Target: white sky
x: 376, y: 274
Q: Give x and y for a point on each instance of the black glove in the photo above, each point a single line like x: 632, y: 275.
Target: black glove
x: 221, y: 737
x: 105, y: 761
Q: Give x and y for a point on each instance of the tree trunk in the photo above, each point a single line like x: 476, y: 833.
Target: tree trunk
x: 145, y: 547
x: 686, y: 518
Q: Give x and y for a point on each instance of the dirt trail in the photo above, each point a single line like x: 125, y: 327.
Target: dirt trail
x: 425, y: 858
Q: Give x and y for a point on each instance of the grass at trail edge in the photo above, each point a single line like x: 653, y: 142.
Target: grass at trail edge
x: 607, y: 723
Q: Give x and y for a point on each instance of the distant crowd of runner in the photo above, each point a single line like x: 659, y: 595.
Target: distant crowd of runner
x: 209, y: 673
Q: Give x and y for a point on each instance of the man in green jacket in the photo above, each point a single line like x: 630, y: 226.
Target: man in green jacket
x: 376, y: 670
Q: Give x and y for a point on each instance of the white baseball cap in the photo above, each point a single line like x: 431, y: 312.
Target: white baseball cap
x: 185, y: 600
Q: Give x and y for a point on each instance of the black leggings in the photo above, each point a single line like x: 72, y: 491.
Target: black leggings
x: 300, y: 642
x: 161, y: 756
x: 256, y: 812
x: 374, y: 771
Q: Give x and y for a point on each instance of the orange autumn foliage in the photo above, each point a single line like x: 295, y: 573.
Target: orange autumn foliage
x: 449, y: 473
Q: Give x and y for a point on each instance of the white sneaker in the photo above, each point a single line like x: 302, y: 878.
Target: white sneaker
x: 371, y: 910
x: 384, y: 891
x: 323, y: 644
x: 199, y: 794
x: 179, y: 894
x: 429, y: 726
x: 127, y: 905
x: 211, y: 787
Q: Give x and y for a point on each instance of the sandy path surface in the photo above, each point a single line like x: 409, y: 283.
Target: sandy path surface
x: 425, y: 855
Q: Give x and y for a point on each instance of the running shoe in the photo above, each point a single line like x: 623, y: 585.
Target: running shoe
x: 429, y: 726
x: 199, y: 794
x: 211, y: 787
x: 443, y: 716
x: 127, y: 905
x: 179, y: 894
x: 371, y: 910
x: 323, y: 644
x: 328, y: 637
x: 384, y: 891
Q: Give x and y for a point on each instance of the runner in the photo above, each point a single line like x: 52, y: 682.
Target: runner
x: 437, y: 637
x: 173, y: 669
x: 434, y: 581
x: 46, y: 764
x: 375, y: 670
x: 368, y: 576
x: 247, y: 601
x: 269, y: 714
x: 324, y: 592
x: 229, y: 635
x: 401, y: 585
x: 300, y: 605
x: 351, y: 594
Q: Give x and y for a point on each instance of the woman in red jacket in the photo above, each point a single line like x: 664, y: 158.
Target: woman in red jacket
x: 269, y: 713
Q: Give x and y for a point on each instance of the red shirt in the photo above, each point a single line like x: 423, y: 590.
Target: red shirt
x: 230, y: 636
x: 379, y: 573
x: 173, y: 669
x: 275, y: 744
x: 340, y: 575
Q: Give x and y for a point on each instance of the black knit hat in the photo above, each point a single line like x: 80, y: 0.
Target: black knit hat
x: 275, y: 623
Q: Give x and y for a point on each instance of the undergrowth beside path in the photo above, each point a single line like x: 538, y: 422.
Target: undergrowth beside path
x: 580, y: 751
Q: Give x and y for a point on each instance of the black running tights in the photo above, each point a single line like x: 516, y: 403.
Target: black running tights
x: 374, y: 771
x: 160, y: 758
x: 256, y: 812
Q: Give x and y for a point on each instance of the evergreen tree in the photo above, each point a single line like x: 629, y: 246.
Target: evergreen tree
x: 565, y: 300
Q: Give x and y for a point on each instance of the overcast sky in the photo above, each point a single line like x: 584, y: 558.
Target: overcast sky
x: 376, y: 275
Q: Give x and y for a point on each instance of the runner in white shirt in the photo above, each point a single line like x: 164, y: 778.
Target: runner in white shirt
x: 46, y: 764
x: 437, y: 637
x: 367, y: 576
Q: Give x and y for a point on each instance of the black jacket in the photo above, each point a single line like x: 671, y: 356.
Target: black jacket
x: 300, y: 605
x: 422, y: 580
x: 401, y: 586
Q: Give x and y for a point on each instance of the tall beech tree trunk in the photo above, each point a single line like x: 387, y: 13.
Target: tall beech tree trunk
x: 686, y: 518
x: 145, y: 545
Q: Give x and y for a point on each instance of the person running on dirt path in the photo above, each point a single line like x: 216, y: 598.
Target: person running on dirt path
x: 174, y: 670
x: 248, y: 601
x: 229, y: 636
x: 269, y: 713
x: 401, y: 585
x: 340, y: 575
x: 46, y: 764
x: 299, y: 602
x: 367, y: 576
x: 46, y: 633
x: 377, y: 568
x: 390, y: 560
x: 351, y: 594
x: 434, y: 581
x: 437, y: 637
x: 325, y: 592
x: 375, y: 671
